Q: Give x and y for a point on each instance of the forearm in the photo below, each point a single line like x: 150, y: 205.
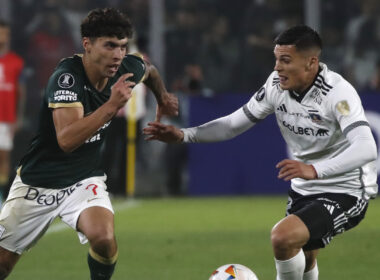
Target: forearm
x: 155, y: 83
x: 72, y: 136
x: 362, y: 150
x: 220, y: 129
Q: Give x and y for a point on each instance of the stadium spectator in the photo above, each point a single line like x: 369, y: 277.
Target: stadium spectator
x: 12, y: 98
x: 218, y: 56
x: 50, y: 40
x: 60, y: 175
x: 363, y: 43
x: 323, y: 123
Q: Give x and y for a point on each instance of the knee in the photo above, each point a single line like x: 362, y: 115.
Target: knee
x: 280, y: 239
x: 103, y: 241
x: 5, y: 269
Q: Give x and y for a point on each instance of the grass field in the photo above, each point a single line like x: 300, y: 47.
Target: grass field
x: 186, y: 239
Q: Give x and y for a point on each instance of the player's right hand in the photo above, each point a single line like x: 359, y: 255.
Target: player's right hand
x: 163, y: 132
x: 121, y: 91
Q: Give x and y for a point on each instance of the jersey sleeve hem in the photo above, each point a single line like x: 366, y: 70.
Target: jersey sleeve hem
x: 66, y: 105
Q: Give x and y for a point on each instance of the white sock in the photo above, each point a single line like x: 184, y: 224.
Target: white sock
x: 311, y: 274
x: 291, y: 269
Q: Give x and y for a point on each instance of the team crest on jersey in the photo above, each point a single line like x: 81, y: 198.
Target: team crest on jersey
x: 343, y: 108
x: 315, y: 117
x: 66, y: 80
x: 260, y: 94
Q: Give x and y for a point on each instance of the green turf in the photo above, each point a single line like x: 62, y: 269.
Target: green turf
x: 186, y: 239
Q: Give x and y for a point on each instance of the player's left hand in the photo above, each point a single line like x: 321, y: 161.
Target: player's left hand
x: 168, y: 107
x: 290, y: 169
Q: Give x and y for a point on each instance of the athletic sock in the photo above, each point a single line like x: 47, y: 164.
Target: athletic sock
x: 311, y: 274
x: 100, y: 268
x: 291, y: 269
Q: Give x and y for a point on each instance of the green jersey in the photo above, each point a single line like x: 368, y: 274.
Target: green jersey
x: 45, y: 164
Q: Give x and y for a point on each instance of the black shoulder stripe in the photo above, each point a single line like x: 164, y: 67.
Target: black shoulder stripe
x: 354, y: 125
x: 249, y: 115
x: 322, y: 86
x: 324, y: 82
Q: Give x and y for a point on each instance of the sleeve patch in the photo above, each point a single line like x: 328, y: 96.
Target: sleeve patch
x: 260, y: 94
x: 65, y: 95
x: 66, y: 80
x: 343, y: 108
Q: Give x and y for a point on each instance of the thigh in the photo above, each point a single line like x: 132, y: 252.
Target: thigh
x: 326, y: 215
x: 96, y: 221
x: 90, y: 194
x: 24, y: 217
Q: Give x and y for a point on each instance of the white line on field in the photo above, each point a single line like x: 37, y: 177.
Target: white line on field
x: 61, y: 226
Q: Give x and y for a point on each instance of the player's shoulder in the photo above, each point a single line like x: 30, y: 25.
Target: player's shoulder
x: 70, y: 64
x: 134, y: 63
x: 332, y: 83
x: 272, y: 84
x: 69, y: 70
x: 68, y: 75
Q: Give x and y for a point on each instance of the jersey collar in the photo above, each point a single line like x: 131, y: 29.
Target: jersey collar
x: 299, y: 96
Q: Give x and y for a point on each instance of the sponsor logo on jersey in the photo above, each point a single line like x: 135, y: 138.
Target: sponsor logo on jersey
x: 343, y: 108
x: 282, y: 108
x: 65, y: 95
x: 260, y: 94
x: 308, y: 131
x: 97, y: 135
x: 66, y: 80
x: 50, y: 199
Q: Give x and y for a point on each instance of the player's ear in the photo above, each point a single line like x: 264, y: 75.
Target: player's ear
x: 86, y: 43
x: 311, y: 63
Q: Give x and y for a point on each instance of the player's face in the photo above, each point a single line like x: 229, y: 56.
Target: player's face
x: 293, y: 67
x: 106, y: 54
x: 4, y: 38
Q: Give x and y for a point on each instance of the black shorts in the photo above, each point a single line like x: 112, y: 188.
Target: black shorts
x: 326, y: 215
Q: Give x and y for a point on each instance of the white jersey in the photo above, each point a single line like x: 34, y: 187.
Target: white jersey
x: 314, y: 126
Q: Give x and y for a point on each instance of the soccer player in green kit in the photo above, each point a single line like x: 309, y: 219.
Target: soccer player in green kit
x: 61, y: 173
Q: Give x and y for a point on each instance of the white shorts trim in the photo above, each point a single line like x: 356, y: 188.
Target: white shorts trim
x: 29, y: 211
x: 6, y: 136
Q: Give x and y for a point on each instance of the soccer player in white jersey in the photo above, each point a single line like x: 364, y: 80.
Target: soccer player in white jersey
x: 332, y: 170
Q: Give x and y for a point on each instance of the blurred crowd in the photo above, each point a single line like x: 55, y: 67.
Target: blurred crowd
x: 228, y: 46
x: 211, y: 46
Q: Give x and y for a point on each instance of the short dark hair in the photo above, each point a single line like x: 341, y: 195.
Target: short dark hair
x: 106, y: 22
x: 3, y: 23
x: 301, y: 36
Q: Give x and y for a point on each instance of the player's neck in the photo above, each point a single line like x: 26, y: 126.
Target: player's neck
x: 310, y: 81
x: 97, y: 80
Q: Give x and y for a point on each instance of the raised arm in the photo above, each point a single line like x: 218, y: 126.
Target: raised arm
x: 167, y: 103
x: 73, y: 129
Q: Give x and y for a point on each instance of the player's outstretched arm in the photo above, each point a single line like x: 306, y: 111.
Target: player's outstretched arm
x: 216, y: 130
x: 73, y: 129
x: 167, y: 103
x: 161, y: 132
